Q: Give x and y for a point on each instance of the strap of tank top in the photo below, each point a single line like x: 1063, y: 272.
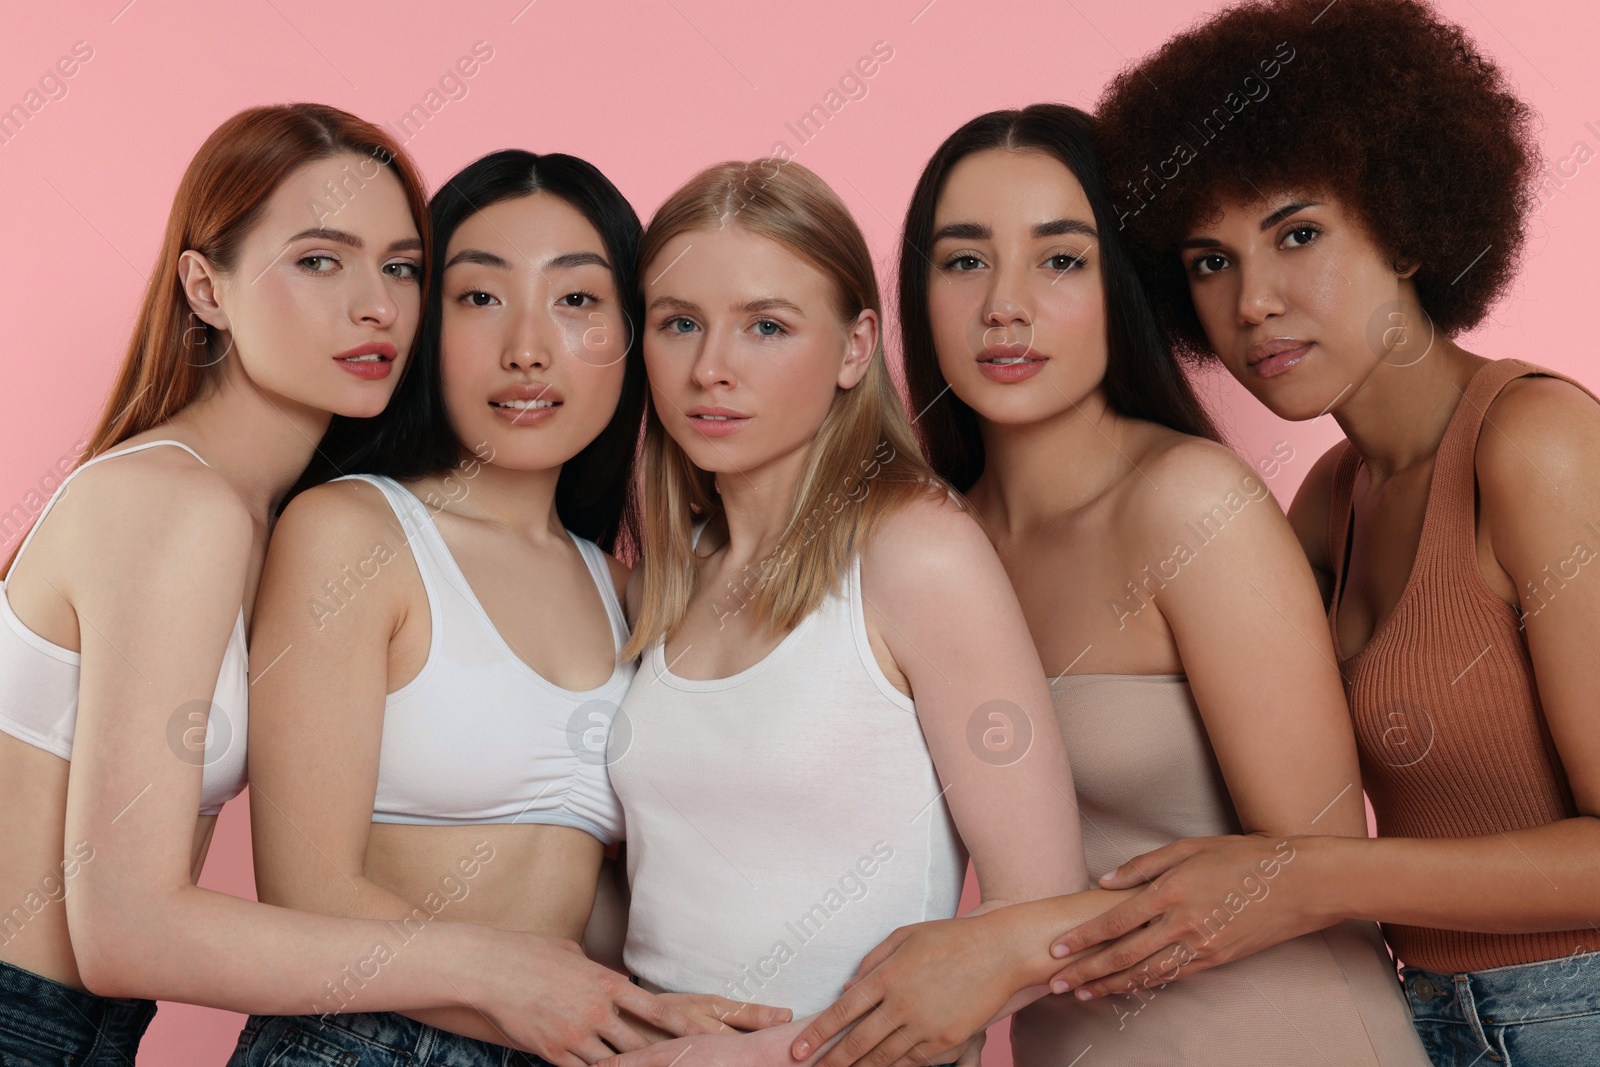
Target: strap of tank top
x: 83, y: 466
x: 1450, y: 526
x: 1344, y: 485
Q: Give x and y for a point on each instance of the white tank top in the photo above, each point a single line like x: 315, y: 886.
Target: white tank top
x: 478, y: 736
x: 39, y: 687
x: 781, y: 821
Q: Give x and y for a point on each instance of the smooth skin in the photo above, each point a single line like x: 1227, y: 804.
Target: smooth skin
x: 1299, y: 264
x: 1016, y: 260
x: 148, y: 592
x: 742, y: 322
x: 525, y: 280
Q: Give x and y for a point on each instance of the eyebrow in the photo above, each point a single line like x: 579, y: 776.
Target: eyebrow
x: 564, y: 261
x: 977, y: 231
x: 767, y: 303
x: 343, y: 237
x: 770, y: 303
x: 1267, y: 223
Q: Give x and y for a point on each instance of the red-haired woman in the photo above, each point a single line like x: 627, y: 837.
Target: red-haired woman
x: 287, y: 292
x: 1354, y: 202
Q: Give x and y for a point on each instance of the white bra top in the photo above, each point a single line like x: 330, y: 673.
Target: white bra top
x: 478, y: 736
x: 39, y: 684
x: 781, y: 821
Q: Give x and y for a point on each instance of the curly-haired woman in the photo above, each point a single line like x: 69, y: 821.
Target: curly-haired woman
x: 1352, y: 203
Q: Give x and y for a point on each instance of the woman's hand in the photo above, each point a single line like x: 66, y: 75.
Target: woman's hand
x: 568, y: 1009
x: 717, y: 1015
x: 927, y: 988
x: 762, y: 1048
x: 1208, y: 901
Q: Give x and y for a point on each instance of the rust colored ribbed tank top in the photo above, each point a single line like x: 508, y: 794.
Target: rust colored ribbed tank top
x: 1446, y: 709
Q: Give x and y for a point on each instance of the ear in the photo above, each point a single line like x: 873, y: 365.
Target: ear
x: 861, y: 341
x: 1404, y: 267
x: 202, y: 284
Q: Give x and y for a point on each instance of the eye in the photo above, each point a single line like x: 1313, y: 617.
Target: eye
x: 404, y: 269
x: 578, y: 298
x: 305, y: 260
x: 1209, y: 263
x: 678, y: 324
x: 1301, y: 236
x: 1065, y: 261
x: 962, y: 262
x: 477, y: 298
x: 761, y: 328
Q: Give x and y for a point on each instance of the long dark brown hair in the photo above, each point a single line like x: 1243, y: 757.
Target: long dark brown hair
x: 1143, y: 378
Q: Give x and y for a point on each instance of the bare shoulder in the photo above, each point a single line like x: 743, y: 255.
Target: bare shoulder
x: 1181, y: 477
x: 332, y: 519
x: 1538, y: 434
x: 928, y: 536
x: 130, y: 513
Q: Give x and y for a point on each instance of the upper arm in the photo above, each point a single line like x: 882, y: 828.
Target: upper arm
x: 1309, y: 518
x: 319, y: 660
x: 952, y: 623
x: 1243, y: 608
x: 1538, y: 467
x: 157, y: 591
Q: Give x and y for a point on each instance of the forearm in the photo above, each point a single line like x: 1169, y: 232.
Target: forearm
x: 1026, y: 932
x: 1520, y: 881
x: 199, y: 946
x: 363, y: 898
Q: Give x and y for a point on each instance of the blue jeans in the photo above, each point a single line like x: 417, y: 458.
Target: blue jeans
x: 364, y: 1039
x: 1545, y: 1013
x: 44, y: 1023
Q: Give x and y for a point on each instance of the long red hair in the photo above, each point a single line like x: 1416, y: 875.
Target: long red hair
x: 222, y: 195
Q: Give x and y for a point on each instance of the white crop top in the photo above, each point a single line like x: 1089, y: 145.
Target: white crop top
x: 781, y: 821
x: 478, y: 736
x: 39, y: 684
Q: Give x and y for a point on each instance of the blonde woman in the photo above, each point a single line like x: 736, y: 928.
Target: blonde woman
x: 833, y: 657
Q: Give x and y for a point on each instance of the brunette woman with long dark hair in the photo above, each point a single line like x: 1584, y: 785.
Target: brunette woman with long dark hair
x: 1173, y: 612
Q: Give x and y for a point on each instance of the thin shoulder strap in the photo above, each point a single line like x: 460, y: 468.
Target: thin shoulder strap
x: 595, y: 559
x: 1344, y: 487
x: 62, y: 488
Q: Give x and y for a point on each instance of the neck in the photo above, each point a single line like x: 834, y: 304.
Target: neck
x: 1398, y: 416
x: 757, y: 504
x: 260, y: 446
x: 523, y: 501
x: 1034, y: 472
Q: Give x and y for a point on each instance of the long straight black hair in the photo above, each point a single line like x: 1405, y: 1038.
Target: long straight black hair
x: 1143, y: 378
x: 413, y: 436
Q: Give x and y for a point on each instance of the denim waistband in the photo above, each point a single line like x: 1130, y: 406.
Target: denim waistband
x: 1524, y: 992
x: 388, y: 1033
x: 73, y: 1021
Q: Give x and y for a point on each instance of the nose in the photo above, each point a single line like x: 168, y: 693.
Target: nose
x: 1005, y: 309
x: 1260, y: 294
x: 528, y: 341
x: 711, y: 362
x: 376, y: 302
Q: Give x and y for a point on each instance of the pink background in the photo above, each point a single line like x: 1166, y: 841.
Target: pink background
x: 650, y: 91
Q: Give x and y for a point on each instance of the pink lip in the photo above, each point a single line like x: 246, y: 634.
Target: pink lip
x: 1268, y: 359
x: 526, y: 391
x: 731, y: 422
x: 1007, y: 373
x: 368, y: 368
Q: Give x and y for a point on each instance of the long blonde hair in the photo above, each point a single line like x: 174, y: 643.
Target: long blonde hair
x: 864, y: 462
